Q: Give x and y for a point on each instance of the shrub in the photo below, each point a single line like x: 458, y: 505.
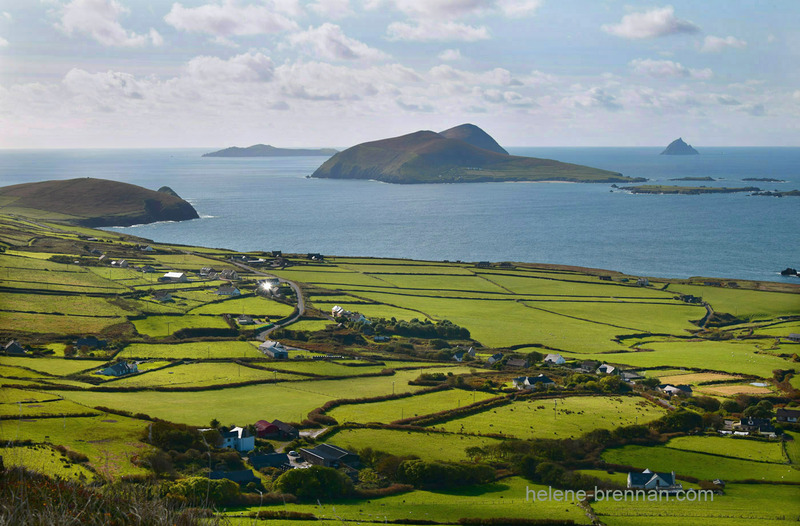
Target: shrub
x: 314, y: 483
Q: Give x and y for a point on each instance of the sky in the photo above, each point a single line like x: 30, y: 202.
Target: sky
x: 333, y: 73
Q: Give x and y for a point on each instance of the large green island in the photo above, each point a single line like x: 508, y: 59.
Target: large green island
x: 464, y: 154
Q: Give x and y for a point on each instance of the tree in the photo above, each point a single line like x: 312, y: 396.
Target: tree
x: 214, y: 423
x: 315, y: 482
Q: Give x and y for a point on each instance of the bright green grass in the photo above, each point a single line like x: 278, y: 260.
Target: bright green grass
x: 287, y: 401
x: 6, y: 371
x: 700, y: 465
x: 309, y: 325
x: 555, y: 287
x: 200, y: 374
x: 780, y: 329
x: 427, y: 446
x: 127, y: 277
x: 189, y: 262
x: 505, y: 498
x: 324, y: 367
x: 391, y: 410
x: 52, y: 323
x: 793, y: 447
x: 44, y: 459
x: 37, y: 409
x: 748, y: 304
x: 54, y: 366
x: 253, y: 306
x: 441, y: 282
x: 375, y: 310
x: 573, y: 417
x: 193, y: 350
x: 411, y: 268
x: 158, y: 326
x: 12, y: 396
x: 741, y: 505
x: 83, y: 305
x: 330, y: 278
x: 731, y: 357
x: 110, y: 441
x: 731, y: 447
x: 56, y: 279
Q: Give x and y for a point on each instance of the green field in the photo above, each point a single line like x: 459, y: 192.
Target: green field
x: 251, y: 305
x: 701, y: 465
x: 54, y: 323
x: 44, y: 459
x: 54, y: 366
x: 159, y: 326
x: 200, y: 374
x: 418, y: 405
x: 428, y: 446
x: 731, y: 447
x: 192, y: 350
x: 38, y: 409
x: 745, y: 304
x: 572, y: 417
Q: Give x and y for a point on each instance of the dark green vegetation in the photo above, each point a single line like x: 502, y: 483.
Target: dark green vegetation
x: 764, y: 179
x: 695, y: 179
x: 265, y: 150
x: 458, y: 155
x: 679, y: 147
x: 685, y: 190
x: 94, y: 202
x: 776, y: 193
x: 438, y: 440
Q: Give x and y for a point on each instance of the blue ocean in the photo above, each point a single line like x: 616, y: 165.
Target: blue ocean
x: 270, y: 204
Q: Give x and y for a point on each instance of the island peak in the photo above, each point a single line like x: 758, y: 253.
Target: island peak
x: 679, y: 147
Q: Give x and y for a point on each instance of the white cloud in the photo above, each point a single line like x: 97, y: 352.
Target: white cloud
x: 450, y: 55
x: 727, y: 100
x: 796, y: 94
x: 6, y: 15
x: 100, y: 86
x: 329, y: 42
x: 229, y: 19
x: 458, y: 8
x: 99, y: 19
x: 3, y: 42
x: 247, y: 67
x: 417, y: 107
x: 333, y: 9
x: 755, y: 110
x: 650, y: 24
x: 667, y: 68
x: 428, y: 30
x: 519, y: 7
x: 713, y: 44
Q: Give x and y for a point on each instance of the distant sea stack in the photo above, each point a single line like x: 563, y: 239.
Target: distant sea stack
x: 464, y: 154
x: 95, y: 203
x: 678, y: 147
x: 265, y: 150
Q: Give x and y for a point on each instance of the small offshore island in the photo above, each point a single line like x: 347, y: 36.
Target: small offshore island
x: 95, y: 203
x: 464, y: 154
x: 679, y: 147
x: 266, y: 150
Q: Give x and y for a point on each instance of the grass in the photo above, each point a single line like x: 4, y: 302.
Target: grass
x: 374, y: 310
x: 38, y: 409
x: 160, y: 326
x: 742, y: 504
x: 62, y: 305
x: 701, y: 465
x: 200, y: 374
x: 325, y: 368
x: 572, y: 417
x: 54, y: 366
x: 44, y: 459
x: 693, y: 378
x: 110, y: 441
x: 793, y: 447
x: 391, y: 410
x: 427, y: 446
x: 55, y: 323
x: 731, y: 447
x: 745, y: 304
x: 733, y: 390
x: 192, y: 350
x: 309, y: 325
x: 251, y: 305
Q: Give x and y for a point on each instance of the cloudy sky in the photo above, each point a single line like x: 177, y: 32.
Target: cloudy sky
x: 214, y: 73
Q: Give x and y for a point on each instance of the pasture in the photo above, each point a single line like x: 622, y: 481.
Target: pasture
x: 746, y: 304
x: 755, y: 450
x: 161, y: 326
x: 53, y: 366
x: 44, y: 459
x: 191, y: 350
x: 568, y: 417
x: 251, y: 305
x: 200, y: 374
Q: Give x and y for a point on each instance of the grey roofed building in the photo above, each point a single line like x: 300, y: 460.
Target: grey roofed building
x: 120, y: 369
x: 285, y: 430
x: 787, y: 415
x: 242, y: 476
x: 556, y: 359
x: 649, y: 480
x: 91, y: 342
x: 517, y: 362
x: 330, y: 456
x: 13, y: 347
x: 493, y: 359
x: 269, y: 460
x: 795, y: 337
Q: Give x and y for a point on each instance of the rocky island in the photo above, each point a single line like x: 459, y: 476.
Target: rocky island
x: 679, y: 147
x: 464, y: 154
x: 684, y: 190
x: 265, y: 150
x: 94, y: 202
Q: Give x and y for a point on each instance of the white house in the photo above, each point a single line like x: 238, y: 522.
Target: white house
x: 606, y: 369
x: 555, y: 359
x: 176, y: 276
x: 239, y: 439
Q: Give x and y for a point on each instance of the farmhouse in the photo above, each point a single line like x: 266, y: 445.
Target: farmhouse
x: 631, y: 376
x: 673, y: 390
x: 229, y: 274
x: 176, y: 277
x: 245, y: 320
x: 787, y: 415
x: 227, y: 290
x: 13, y: 347
x: 90, y: 342
x: 338, y: 312
x: 795, y: 337
x: 649, y: 480
x: 532, y: 382
x: 493, y: 359
x: 274, y: 349
x: 242, y: 476
x: 607, y: 369
x: 751, y: 424
x: 238, y: 438
x: 555, y: 359
x: 330, y: 456
x: 207, y: 271
x: 163, y: 296
x: 276, y: 429
x: 643, y: 282
x: 460, y: 356
x: 120, y: 369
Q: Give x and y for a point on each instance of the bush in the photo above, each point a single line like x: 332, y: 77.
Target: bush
x: 424, y: 474
x: 314, y: 483
x: 199, y: 491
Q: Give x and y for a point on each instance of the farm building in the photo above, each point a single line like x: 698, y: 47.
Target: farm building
x: 607, y: 369
x: 120, y: 264
x: 229, y: 274
x: 672, y: 390
x: 147, y: 269
x: 245, y: 320
x: 750, y: 424
x: 275, y: 429
x: 239, y: 439
x: 13, y: 347
x: 787, y: 415
x: 227, y: 290
x: 177, y: 277
x: 163, y: 296
x: 519, y: 363
x: 460, y: 356
x: 795, y: 337
x: 649, y: 480
x: 274, y: 349
x: 270, y: 460
x: 630, y: 376
x: 241, y: 476
x: 493, y: 359
x: 120, y: 369
x: 555, y: 359
x: 207, y: 271
x: 330, y: 456
x: 532, y: 382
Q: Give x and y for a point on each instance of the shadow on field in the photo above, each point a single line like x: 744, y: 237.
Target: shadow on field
x: 475, y: 491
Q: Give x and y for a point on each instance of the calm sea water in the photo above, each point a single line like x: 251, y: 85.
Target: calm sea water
x: 268, y: 203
